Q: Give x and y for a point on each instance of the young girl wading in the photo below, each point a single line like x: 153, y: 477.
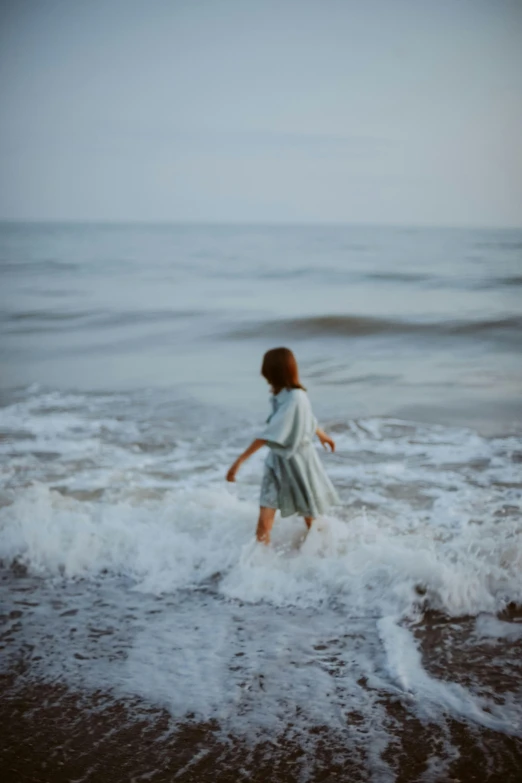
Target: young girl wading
x: 294, y: 480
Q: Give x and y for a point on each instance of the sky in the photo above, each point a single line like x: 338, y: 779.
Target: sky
x: 334, y: 111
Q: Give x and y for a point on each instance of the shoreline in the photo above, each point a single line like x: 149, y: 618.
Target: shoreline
x: 55, y: 735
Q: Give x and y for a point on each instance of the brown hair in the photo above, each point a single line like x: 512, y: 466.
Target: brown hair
x: 280, y: 370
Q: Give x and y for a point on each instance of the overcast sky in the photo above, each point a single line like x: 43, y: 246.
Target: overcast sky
x: 357, y: 111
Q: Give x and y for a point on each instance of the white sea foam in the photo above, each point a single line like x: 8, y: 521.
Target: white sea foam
x: 422, y: 525
x: 130, y: 522
x: 490, y: 627
x: 434, y: 696
x: 367, y: 563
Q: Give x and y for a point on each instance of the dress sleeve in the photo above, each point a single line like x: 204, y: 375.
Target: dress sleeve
x: 280, y: 427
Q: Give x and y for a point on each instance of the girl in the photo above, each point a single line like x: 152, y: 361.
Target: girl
x: 294, y: 480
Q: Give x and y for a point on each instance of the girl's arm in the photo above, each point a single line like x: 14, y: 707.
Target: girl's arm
x: 254, y: 446
x: 325, y: 439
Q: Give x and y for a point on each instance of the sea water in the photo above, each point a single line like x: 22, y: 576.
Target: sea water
x: 130, y: 382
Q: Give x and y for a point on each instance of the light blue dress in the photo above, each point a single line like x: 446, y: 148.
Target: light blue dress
x: 294, y: 479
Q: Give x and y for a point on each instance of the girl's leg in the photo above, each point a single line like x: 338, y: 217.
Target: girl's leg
x: 308, y: 522
x: 264, y: 524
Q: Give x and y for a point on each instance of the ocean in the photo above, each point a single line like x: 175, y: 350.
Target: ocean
x: 145, y: 635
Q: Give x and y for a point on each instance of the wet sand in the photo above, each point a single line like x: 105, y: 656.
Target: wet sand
x: 51, y: 734
x: 54, y: 731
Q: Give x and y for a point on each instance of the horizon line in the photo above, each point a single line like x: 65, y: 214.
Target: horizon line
x: 251, y: 223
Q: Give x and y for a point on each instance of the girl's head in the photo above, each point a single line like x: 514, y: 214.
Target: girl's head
x: 280, y: 370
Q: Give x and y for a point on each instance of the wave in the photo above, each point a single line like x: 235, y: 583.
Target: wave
x: 513, y: 280
x: 192, y: 535
x: 364, y: 326
x: 44, y: 315
x: 505, y: 244
x: 131, y: 494
x: 399, y: 277
x: 34, y: 267
x: 460, y: 283
x: 29, y: 321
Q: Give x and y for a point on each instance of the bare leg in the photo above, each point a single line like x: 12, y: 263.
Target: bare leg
x: 264, y: 524
x: 308, y: 522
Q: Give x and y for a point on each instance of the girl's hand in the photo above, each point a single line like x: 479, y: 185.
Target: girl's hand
x: 231, y: 475
x: 326, y: 440
x: 254, y: 446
